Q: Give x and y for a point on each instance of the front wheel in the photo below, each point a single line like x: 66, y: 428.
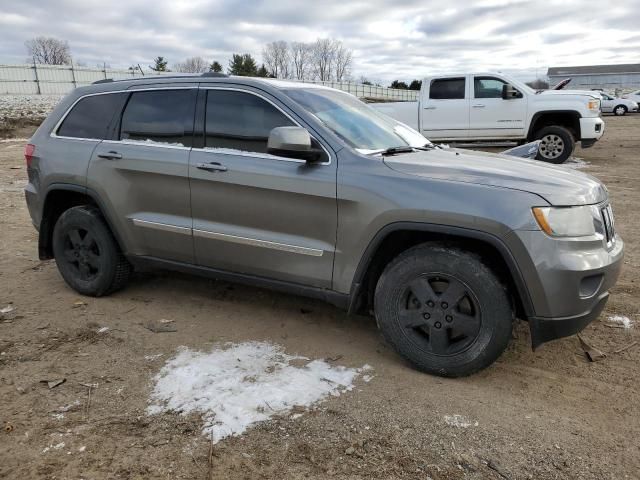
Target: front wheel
x: 620, y: 111
x: 443, y: 310
x: 556, y: 144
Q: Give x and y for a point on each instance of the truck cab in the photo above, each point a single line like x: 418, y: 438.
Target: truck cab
x: 495, y: 107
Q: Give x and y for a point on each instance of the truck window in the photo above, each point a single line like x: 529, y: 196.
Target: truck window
x: 487, y: 87
x: 240, y: 121
x: 91, y: 116
x: 447, y: 89
x: 159, y: 116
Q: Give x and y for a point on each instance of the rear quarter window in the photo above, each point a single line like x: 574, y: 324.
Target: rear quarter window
x: 92, y: 116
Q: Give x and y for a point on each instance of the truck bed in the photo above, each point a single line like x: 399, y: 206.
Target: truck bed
x: 405, y: 112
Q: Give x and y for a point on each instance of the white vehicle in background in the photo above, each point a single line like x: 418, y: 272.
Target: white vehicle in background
x: 634, y: 96
x: 494, y: 107
x: 617, y: 106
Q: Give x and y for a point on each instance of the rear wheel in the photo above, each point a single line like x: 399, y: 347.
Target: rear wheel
x: 88, y: 257
x: 556, y: 144
x: 620, y: 110
x: 443, y: 310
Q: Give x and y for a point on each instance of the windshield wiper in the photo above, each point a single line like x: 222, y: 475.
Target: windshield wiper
x: 396, y: 150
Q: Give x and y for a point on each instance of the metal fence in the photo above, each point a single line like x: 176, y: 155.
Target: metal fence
x: 60, y: 79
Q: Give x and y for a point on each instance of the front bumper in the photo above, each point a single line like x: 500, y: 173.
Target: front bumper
x: 572, y: 279
x: 591, y: 128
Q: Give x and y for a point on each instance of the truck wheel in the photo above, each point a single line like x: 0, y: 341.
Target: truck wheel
x: 556, y: 144
x: 88, y: 257
x: 443, y: 310
x: 620, y: 111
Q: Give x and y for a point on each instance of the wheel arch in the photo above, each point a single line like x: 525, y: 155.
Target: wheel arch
x: 569, y: 119
x: 395, y: 238
x: 59, y: 198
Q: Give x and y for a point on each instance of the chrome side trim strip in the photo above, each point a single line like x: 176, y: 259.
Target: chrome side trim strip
x: 254, y: 242
x: 161, y: 226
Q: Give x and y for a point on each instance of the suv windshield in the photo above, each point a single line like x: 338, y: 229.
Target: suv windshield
x: 355, y: 122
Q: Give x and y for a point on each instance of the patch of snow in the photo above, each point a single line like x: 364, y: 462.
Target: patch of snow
x: 82, y: 449
x: 575, y: 163
x: 626, y: 322
x: 459, y: 421
x: 148, y: 141
x: 238, y: 385
x: 53, y: 447
x: 29, y: 106
x: 7, y: 309
x: 58, y: 416
x: 153, y: 357
x: 70, y: 406
x: 103, y: 329
x: 14, y: 140
x: 367, y: 378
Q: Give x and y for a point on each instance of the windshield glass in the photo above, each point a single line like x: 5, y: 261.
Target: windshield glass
x: 355, y: 122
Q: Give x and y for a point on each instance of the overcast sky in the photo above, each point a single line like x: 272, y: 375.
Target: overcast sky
x: 390, y: 39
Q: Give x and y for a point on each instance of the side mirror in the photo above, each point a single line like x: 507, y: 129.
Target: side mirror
x: 292, y: 142
x: 508, y: 92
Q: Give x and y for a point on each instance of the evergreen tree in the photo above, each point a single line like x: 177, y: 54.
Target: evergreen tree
x: 160, y: 65
x: 263, y: 72
x: 215, y: 67
x: 243, y: 65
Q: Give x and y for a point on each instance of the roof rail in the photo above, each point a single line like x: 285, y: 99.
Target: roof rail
x: 205, y: 74
x: 214, y: 74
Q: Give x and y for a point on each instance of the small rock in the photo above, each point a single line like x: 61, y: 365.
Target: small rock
x: 350, y: 451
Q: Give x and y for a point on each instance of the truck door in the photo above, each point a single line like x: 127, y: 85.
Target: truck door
x: 492, y: 116
x: 445, y: 109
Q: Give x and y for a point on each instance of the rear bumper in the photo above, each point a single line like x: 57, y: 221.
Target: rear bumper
x: 591, y: 128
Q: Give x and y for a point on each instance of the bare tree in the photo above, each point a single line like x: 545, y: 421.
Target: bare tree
x: 277, y: 59
x: 343, y: 58
x: 49, y: 50
x: 324, y: 52
x: 301, y: 57
x: 192, y: 65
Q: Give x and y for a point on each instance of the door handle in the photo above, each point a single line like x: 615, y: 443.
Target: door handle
x: 429, y: 108
x: 212, y: 167
x: 478, y: 105
x: 110, y: 155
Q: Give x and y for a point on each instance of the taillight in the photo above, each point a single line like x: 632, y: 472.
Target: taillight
x: 29, y: 151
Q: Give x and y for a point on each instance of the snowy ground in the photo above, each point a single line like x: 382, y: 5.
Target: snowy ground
x: 31, y: 106
x: 238, y: 385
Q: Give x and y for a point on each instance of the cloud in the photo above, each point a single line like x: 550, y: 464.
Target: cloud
x: 401, y: 39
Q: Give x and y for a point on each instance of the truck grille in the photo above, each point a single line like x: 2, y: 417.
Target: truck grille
x: 609, y: 225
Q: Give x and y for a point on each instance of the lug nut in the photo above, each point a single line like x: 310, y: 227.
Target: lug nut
x: 449, y: 318
x: 444, y: 305
x: 426, y: 316
x: 438, y: 325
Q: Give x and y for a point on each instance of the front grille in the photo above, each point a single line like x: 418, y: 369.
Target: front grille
x: 609, y: 225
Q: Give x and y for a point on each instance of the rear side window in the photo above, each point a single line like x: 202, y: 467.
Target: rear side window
x: 162, y: 116
x: 91, y: 116
x: 447, y: 89
x: 240, y: 121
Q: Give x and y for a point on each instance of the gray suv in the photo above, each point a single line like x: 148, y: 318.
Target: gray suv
x: 306, y: 189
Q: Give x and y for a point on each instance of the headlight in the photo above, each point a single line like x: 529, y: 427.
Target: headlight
x: 594, y: 105
x: 580, y: 221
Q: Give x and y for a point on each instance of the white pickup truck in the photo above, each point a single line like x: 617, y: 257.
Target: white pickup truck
x: 494, y: 107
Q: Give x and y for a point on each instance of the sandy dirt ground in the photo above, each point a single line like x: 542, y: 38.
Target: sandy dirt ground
x: 549, y: 414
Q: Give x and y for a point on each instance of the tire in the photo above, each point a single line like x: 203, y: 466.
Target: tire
x: 418, y: 318
x: 620, y: 111
x: 556, y: 144
x: 88, y: 256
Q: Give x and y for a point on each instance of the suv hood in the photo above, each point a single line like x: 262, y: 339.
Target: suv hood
x: 557, y: 185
